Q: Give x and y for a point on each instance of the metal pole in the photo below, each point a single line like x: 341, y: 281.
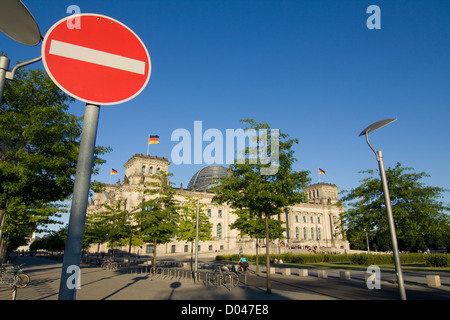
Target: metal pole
x: 72, y: 252
x: 387, y: 199
x: 4, y: 67
x: 196, y: 238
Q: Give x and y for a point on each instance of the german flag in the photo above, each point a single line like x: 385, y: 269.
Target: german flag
x: 321, y: 172
x: 113, y: 171
x: 153, y: 139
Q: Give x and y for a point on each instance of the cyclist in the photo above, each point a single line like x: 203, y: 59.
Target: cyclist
x: 243, y: 264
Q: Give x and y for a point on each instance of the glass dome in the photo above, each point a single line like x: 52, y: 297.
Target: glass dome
x: 207, y: 178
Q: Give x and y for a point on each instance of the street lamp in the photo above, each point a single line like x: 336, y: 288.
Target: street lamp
x: 379, y: 155
x: 17, y: 22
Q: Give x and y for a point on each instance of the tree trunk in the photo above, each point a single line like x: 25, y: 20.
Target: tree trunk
x: 192, y: 255
x: 257, y: 252
x: 154, y: 257
x: 3, y: 208
x: 269, y: 289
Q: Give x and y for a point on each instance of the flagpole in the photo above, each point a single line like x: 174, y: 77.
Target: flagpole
x: 148, y: 143
x: 110, y: 174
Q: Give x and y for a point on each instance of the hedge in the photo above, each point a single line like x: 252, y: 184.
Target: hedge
x: 439, y: 260
x: 434, y: 260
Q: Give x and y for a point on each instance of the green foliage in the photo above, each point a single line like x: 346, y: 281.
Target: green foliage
x: 421, y: 219
x: 438, y: 260
x: 255, y: 226
x: 258, y: 189
x: 188, y: 224
x: 111, y: 224
x: 157, y: 220
x: 55, y: 241
x: 188, y: 221
x: 39, y: 141
x: 158, y: 217
x: 356, y: 259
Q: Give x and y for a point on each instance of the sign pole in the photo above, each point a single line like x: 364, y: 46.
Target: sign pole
x: 70, y: 274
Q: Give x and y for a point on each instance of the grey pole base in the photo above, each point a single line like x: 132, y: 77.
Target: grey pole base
x: 70, y: 274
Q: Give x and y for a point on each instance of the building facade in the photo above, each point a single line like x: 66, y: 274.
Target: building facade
x: 315, y: 223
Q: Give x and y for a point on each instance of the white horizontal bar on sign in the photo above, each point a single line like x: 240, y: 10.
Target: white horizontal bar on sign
x: 102, y: 58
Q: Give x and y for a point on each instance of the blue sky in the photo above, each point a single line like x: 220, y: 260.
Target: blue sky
x: 309, y: 68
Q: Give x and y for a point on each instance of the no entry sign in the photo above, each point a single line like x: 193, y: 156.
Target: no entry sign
x: 101, y: 62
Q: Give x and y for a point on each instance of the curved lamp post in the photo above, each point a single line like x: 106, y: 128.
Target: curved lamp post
x: 379, y: 155
x: 17, y: 22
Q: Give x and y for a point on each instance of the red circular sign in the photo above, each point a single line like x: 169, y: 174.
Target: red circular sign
x: 96, y: 59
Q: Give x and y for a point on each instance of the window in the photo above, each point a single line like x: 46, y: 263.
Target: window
x: 319, y: 234
x: 149, y: 248
x: 157, y: 171
x: 304, y: 219
x: 208, y: 213
x: 143, y: 169
x: 210, y: 247
x: 304, y: 234
x: 312, y: 233
x: 220, y: 214
x: 173, y: 249
x: 312, y: 219
x: 151, y: 170
x: 186, y: 248
x: 296, y: 218
x: 317, y: 193
x: 318, y: 219
x: 297, y: 235
x: 219, y: 231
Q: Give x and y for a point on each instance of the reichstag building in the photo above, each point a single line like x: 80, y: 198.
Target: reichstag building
x: 314, y: 224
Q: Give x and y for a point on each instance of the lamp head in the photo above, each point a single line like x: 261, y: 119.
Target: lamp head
x: 18, y: 23
x: 376, y: 125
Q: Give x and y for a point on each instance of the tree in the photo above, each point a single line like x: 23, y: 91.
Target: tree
x: 111, y: 224
x: 188, y: 224
x: 421, y: 220
x: 54, y: 241
x: 39, y: 141
x: 157, y: 221
x: 23, y: 220
x: 254, y: 186
x: 255, y: 227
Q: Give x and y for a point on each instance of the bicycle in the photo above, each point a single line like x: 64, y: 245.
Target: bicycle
x: 21, y: 279
x: 228, y: 278
x: 110, y: 265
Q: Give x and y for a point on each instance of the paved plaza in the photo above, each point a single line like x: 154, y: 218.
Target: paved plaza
x: 100, y: 284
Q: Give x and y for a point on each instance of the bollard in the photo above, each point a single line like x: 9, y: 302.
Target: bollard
x: 344, y: 275
x: 322, y: 274
x: 433, y: 281
x: 286, y: 271
x: 302, y: 272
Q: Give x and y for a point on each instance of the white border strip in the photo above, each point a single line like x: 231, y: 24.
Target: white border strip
x: 102, y: 58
